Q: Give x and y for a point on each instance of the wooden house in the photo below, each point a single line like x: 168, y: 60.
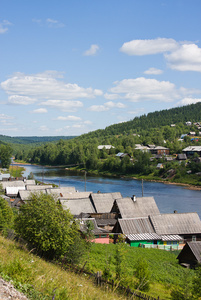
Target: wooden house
x: 191, y: 150
x: 159, y: 150
x: 190, y: 255
x: 135, y: 207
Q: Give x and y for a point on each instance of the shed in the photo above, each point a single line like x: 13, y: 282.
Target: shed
x: 190, y: 255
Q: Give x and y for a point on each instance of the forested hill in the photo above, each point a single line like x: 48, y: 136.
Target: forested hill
x: 152, y: 120
x: 32, y: 139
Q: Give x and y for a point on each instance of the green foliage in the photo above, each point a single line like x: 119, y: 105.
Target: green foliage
x: 44, y: 224
x: 5, y: 155
x: 196, y: 284
x: 143, y: 275
x: 6, y: 216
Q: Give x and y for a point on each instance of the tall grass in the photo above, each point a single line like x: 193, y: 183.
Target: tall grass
x: 43, y: 280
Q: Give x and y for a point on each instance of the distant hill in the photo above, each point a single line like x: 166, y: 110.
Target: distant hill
x: 152, y: 120
x: 32, y: 139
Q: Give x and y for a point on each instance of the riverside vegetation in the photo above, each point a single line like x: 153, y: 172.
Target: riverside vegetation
x: 48, y: 242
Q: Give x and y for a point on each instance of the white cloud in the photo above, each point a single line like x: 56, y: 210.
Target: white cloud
x: 4, y: 26
x: 5, y: 117
x: 63, y: 105
x: 27, y: 89
x: 87, y: 122
x: 153, y: 71
x: 40, y: 111
x: 185, y: 58
x: 107, y: 106
x: 69, y: 118
x: 54, y: 23
x: 146, y: 47
x: 77, y: 126
x: 111, y: 96
x: 142, y: 89
x: 92, y: 50
x: 187, y: 101
x: 21, y: 100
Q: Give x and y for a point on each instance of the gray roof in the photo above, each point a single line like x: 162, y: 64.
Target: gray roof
x: 196, y: 249
x: 62, y: 192
x: 103, y: 202
x: 135, y: 226
x: 192, y: 148
x: 29, y: 181
x: 76, y: 195
x: 185, y: 223
x: 96, y: 230
x: 38, y: 187
x: 26, y: 195
x: 4, y: 176
x: 13, y: 190
x: 13, y: 183
x: 78, y: 206
x: 143, y: 237
x: 142, y: 207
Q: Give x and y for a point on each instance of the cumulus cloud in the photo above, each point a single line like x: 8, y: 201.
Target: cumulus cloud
x: 63, y: 105
x: 21, y: 100
x: 4, y: 25
x: 187, y: 101
x: 185, y: 58
x: 111, y: 96
x: 48, y: 88
x: 145, y: 47
x: 69, y: 118
x: 107, y: 106
x: 153, y: 71
x: 142, y: 89
x: 180, y: 56
x: 92, y: 50
x: 40, y: 111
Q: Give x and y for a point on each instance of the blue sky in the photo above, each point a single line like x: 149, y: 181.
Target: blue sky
x: 68, y: 67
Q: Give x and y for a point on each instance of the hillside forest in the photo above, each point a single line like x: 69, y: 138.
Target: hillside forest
x: 162, y: 128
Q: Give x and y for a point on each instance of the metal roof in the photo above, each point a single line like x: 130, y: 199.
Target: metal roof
x: 62, y: 192
x: 26, y: 195
x: 103, y: 202
x: 141, y: 207
x: 184, y: 223
x: 171, y: 237
x: 13, y: 183
x: 135, y: 226
x: 196, y: 249
x: 76, y: 195
x: 143, y: 237
x: 192, y: 148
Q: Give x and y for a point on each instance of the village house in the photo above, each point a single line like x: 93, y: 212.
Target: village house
x: 191, y: 150
x: 190, y: 255
x: 159, y: 150
x: 107, y: 147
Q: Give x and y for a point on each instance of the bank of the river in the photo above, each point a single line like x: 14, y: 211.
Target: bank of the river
x: 149, y: 178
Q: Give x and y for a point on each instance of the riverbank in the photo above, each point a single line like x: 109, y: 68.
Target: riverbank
x: 112, y: 175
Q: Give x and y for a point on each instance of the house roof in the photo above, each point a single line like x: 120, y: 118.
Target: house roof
x: 39, y: 187
x: 192, y: 148
x: 196, y: 249
x: 76, y: 195
x: 107, y: 147
x: 26, y: 194
x: 13, y: 183
x: 143, y: 237
x: 142, y: 207
x: 78, y: 206
x: 135, y: 226
x: 184, y: 223
x: 29, y: 181
x: 13, y: 190
x: 103, y: 202
x: 96, y: 230
x: 62, y: 192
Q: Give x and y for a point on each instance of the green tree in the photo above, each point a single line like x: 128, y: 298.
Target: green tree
x: 5, y: 155
x: 143, y: 275
x: 6, y: 216
x: 47, y: 228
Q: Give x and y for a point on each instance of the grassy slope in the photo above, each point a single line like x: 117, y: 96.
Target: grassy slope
x: 28, y: 271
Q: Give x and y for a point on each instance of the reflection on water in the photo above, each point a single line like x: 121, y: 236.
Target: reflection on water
x: 168, y: 197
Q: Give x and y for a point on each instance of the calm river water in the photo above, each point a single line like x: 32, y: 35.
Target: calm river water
x: 168, y: 197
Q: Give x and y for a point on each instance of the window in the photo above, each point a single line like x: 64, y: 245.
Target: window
x: 194, y: 238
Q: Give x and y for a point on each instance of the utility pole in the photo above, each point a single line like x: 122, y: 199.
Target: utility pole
x: 142, y: 189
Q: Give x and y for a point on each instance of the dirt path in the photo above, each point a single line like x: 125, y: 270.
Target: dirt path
x: 7, y: 292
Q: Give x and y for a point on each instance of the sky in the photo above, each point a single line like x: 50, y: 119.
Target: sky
x: 68, y: 67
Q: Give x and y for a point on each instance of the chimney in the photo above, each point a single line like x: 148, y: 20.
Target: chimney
x: 175, y: 211
x: 134, y: 198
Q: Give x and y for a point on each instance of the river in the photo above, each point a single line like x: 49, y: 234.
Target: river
x: 168, y: 197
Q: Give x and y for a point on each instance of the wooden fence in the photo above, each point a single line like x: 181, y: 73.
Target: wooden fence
x: 100, y: 281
